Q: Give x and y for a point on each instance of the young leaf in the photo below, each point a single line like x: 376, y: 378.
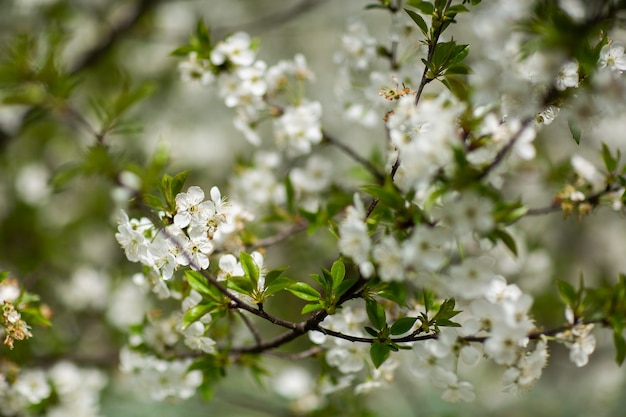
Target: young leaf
x: 304, y: 291
x: 567, y: 293
x: 419, y: 21
x: 610, y: 162
x: 371, y: 331
x: 278, y: 284
x: 376, y: 313
x: 197, y: 282
x: 311, y: 307
x: 620, y: 347
x: 338, y: 272
x: 344, y: 286
x: 250, y: 268
x: 402, y: 325
x: 379, y: 353
x: 178, y: 181
x: 195, y: 313
x: 242, y: 285
x: 575, y: 131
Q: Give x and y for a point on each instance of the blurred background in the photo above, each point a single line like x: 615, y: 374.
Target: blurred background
x: 57, y: 227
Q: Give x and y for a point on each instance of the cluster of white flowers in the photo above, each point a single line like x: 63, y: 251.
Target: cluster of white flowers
x: 351, y: 358
x: 245, y: 83
x: 312, y: 180
x: 187, y: 242
x: 76, y: 391
x: 354, y: 238
x: 160, y: 378
x: 257, y: 186
x: 424, y: 137
x: 298, y: 128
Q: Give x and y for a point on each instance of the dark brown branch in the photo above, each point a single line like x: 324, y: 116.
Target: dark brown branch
x: 505, y: 151
x: 424, y: 80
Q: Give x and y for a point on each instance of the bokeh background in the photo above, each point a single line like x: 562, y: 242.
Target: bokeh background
x: 57, y: 231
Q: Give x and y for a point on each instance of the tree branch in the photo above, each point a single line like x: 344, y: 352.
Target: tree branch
x: 352, y: 154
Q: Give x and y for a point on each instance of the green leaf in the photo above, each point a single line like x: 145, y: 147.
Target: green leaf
x: 610, y: 161
x: 304, y: 291
x: 429, y: 299
x: 419, y: 21
x: 177, y: 182
x: 344, y: 286
x: 567, y: 292
x: 376, y: 313
x: 387, y: 194
x: 574, y: 130
x: 424, y: 6
x: 506, y: 238
x: 242, y: 285
x: 394, y: 291
x: 446, y: 323
x: 153, y: 201
x: 291, y: 195
x: 277, y: 285
x: 620, y: 347
x: 196, y: 313
x: 338, y: 272
x: 250, y: 268
x: 402, y: 325
x: 320, y: 280
x: 311, y: 307
x: 371, y: 331
x: 197, y: 282
x: 379, y: 354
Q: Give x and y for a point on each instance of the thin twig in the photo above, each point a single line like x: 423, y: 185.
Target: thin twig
x: 279, y: 237
x: 108, y: 41
x: 352, y: 154
x: 255, y: 332
x: 273, y: 20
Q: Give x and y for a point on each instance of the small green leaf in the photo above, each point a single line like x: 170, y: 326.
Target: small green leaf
x: 277, y: 285
x: 394, y: 291
x: 304, y: 291
x: 311, y: 307
x: 344, y: 286
x: 574, y: 130
x: 419, y: 21
x: 242, y: 285
x: 178, y: 181
x: 620, y: 347
x: 446, y: 323
x: 567, y: 293
x: 424, y: 6
x: 371, y: 331
x: 250, y: 268
x: 402, y: 325
x: 153, y: 201
x: 195, y: 313
x: 429, y: 299
x: 506, y: 238
x: 338, y: 272
x: 376, y: 313
x: 379, y: 353
x: 610, y: 162
x: 319, y: 279
x: 197, y: 282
